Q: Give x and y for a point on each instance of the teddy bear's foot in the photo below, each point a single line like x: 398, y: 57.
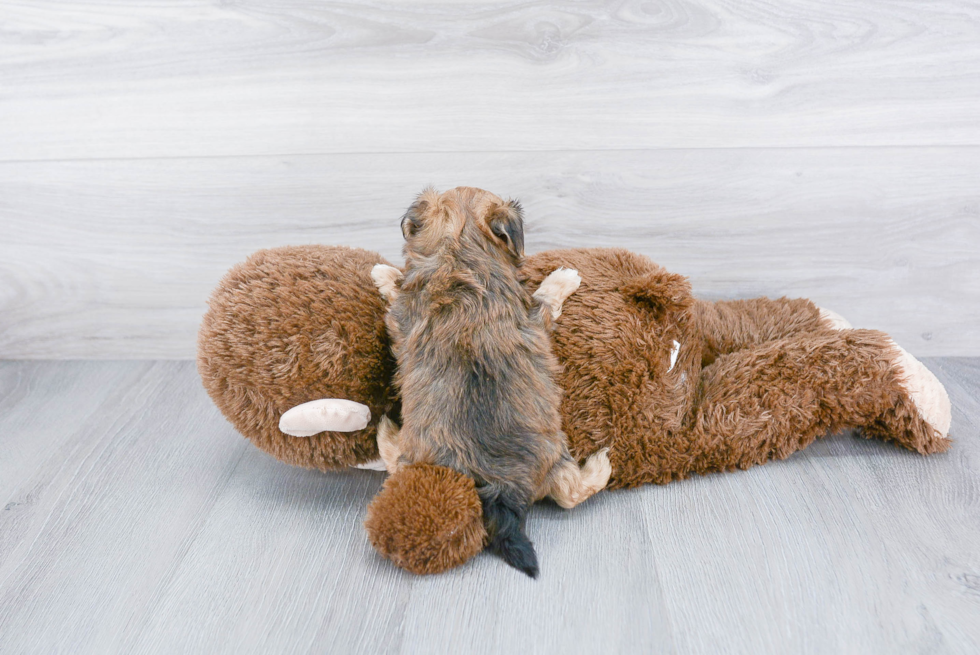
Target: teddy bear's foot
x: 833, y: 320
x: 926, y: 391
x: 556, y: 288
x: 325, y: 415
x: 571, y: 485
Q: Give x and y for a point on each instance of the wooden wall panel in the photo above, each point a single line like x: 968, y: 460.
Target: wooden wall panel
x: 110, y: 259
x: 101, y: 79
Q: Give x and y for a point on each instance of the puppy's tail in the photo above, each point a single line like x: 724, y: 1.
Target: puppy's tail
x: 504, y: 520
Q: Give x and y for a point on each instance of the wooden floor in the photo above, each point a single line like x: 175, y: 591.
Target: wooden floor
x: 136, y: 520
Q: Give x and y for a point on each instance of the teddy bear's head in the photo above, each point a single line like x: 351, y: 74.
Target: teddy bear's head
x: 295, y: 324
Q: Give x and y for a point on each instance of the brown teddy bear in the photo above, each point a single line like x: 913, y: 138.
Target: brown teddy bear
x: 672, y: 385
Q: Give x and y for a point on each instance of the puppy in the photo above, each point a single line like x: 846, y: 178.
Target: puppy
x: 475, y: 367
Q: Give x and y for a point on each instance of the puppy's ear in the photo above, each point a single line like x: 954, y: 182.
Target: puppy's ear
x: 507, y: 225
x: 412, y: 218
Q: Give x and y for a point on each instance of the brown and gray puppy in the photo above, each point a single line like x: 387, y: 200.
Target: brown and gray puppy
x: 475, y: 367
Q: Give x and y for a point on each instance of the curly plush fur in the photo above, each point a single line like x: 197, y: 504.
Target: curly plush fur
x: 748, y: 381
x: 296, y: 324
x: 671, y: 384
x: 432, y: 537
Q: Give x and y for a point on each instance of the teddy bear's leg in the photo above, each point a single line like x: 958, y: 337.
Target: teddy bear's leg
x: 928, y: 393
x: 570, y: 485
x: 556, y: 288
x: 773, y: 399
x: 388, y: 444
x: 730, y: 325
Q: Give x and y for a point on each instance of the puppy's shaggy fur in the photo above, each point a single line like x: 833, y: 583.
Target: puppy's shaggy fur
x: 475, y: 367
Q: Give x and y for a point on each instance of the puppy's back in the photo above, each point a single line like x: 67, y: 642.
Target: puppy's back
x: 477, y: 380
x: 475, y: 368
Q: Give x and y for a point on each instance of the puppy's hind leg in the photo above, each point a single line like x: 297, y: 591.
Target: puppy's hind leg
x: 569, y: 485
x: 389, y: 446
x: 556, y: 288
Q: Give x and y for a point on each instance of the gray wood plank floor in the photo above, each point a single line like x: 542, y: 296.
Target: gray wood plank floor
x: 134, y: 519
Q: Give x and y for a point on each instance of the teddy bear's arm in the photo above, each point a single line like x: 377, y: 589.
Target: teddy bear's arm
x: 731, y: 325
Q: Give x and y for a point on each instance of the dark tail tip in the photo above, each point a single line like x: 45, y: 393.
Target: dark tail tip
x: 520, y: 555
x: 505, y: 525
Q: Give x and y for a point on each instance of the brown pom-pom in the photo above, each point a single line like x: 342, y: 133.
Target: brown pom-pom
x: 427, y: 519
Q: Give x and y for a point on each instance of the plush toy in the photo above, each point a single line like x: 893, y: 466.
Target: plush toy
x: 672, y: 385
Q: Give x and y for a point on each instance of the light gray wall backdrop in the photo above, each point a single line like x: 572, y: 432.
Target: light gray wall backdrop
x: 808, y: 148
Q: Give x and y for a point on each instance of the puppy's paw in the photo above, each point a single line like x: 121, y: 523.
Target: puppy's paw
x: 386, y: 279
x: 833, y: 320
x: 558, y: 286
x: 596, y: 470
x: 926, y: 391
x: 324, y: 415
x: 389, y: 446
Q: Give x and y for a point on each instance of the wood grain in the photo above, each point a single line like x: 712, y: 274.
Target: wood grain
x: 176, y: 78
x: 134, y: 520
x: 115, y: 259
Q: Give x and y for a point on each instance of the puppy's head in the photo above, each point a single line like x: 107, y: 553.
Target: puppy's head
x: 464, y: 217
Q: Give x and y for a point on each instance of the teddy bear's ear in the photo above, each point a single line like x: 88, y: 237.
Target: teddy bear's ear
x: 660, y: 292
